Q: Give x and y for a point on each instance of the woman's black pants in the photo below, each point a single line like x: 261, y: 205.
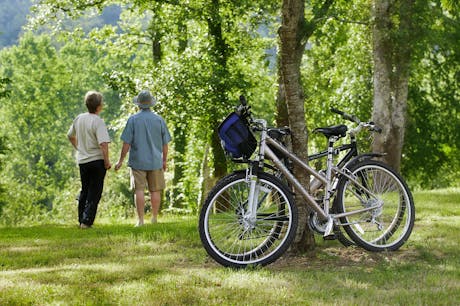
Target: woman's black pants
x: 92, y: 182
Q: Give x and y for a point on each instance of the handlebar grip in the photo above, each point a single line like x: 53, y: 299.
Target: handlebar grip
x: 378, y: 129
x: 335, y: 110
x: 375, y: 127
x: 346, y: 116
x: 243, y: 100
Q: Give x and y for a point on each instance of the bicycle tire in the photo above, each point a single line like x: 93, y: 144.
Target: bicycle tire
x: 234, y: 242
x: 385, y: 228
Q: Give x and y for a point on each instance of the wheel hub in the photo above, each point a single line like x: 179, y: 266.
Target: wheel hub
x: 375, y: 202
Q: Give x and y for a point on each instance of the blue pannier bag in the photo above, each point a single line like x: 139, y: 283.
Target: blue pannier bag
x: 236, y: 138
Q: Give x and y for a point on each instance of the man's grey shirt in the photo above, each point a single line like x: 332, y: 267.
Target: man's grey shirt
x: 147, y: 133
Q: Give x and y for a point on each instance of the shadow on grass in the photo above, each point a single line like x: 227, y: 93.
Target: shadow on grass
x: 117, y: 264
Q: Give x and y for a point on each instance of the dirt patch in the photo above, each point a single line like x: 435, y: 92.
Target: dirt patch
x: 343, y: 257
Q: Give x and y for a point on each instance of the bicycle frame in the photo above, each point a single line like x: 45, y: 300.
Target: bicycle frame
x: 323, y: 213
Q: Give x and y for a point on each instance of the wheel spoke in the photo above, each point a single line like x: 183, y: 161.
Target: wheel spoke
x: 389, y: 225
x: 232, y: 237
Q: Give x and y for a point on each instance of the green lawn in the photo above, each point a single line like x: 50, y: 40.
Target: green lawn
x: 165, y: 264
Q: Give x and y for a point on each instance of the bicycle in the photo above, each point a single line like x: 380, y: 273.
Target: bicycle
x: 250, y: 217
x: 351, y: 157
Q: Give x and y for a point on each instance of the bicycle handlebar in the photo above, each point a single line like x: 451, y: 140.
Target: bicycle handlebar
x: 346, y: 116
x: 244, y: 110
x: 353, y: 118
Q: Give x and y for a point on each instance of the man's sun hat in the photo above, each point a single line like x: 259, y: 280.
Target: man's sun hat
x: 144, y: 99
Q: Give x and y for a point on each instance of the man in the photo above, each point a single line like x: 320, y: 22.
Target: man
x: 146, y: 138
x: 88, y: 135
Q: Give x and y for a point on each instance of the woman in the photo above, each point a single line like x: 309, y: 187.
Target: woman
x: 89, y: 136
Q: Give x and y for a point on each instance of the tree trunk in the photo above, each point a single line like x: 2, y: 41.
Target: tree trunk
x: 206, y: 181
x: 180, y: 144
x: 391, y: 54
x: 294, y: 33
x: 291, y: 51
x: 220, y: 161
x: 282, y: 117
x: 219, y: 52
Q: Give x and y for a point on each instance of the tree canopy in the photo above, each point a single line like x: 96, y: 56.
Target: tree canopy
x: 198, y: 57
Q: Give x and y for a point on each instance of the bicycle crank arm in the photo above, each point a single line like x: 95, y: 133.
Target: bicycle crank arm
x: 329, y: 230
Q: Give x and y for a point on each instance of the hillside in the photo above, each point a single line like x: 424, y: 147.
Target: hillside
x: 13, y: 16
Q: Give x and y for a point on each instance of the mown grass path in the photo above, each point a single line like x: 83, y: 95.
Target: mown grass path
x: 165, y: 264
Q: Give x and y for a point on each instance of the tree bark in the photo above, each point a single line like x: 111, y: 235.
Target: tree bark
x: 294, y: 33
x: 391, y: 55
x: 291, y: 52
x: 281, y: 117
x: 219, y: 52
x: 180, y: 144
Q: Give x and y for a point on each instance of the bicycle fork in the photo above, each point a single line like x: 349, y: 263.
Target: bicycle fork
x: 254, y: 200
x: 251, y: 214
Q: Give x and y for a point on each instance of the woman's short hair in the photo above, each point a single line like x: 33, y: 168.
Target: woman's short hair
x: 92, y: 100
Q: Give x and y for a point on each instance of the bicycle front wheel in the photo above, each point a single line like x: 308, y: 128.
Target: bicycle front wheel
x: 232, y: 237
x: 389, y: 224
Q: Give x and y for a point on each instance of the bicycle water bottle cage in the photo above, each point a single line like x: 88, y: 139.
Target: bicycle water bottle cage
x: 336, y: 130
x: 236, y: 138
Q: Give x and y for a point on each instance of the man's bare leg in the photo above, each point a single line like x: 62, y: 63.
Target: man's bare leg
x: 140, y: 204
x: 155, y: 198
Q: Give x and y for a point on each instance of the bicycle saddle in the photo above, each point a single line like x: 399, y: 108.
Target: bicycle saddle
x: 335, y: 130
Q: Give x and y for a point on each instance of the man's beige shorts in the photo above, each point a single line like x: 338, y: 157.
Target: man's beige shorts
x: 154, y: 179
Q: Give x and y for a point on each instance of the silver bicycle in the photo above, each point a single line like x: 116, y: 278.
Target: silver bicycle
x: 250, y: 217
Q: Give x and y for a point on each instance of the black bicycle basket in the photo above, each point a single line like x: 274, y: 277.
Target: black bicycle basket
x: 236, y: 138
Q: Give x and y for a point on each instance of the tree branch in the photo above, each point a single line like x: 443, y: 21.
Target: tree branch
x: 348, y: 21
x: 76, y: 5
x: 319, y: 15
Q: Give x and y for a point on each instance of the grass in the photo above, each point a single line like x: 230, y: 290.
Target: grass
x: 165, y: 264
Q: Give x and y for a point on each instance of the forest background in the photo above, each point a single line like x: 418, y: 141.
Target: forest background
x: 52, y: 52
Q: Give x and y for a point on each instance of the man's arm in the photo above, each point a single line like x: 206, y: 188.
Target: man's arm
x: 124, y: 151
x: 165, y: 156
x: 73, y: 141
x: 105, y: 153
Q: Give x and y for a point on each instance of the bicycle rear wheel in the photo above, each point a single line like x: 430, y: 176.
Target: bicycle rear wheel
x: 234, y: 240
x: 390, y: 224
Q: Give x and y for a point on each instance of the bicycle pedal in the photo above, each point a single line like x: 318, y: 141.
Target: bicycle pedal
x: 330, y: 237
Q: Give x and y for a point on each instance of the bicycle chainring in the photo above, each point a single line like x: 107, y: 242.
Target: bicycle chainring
x: 316, y: 224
